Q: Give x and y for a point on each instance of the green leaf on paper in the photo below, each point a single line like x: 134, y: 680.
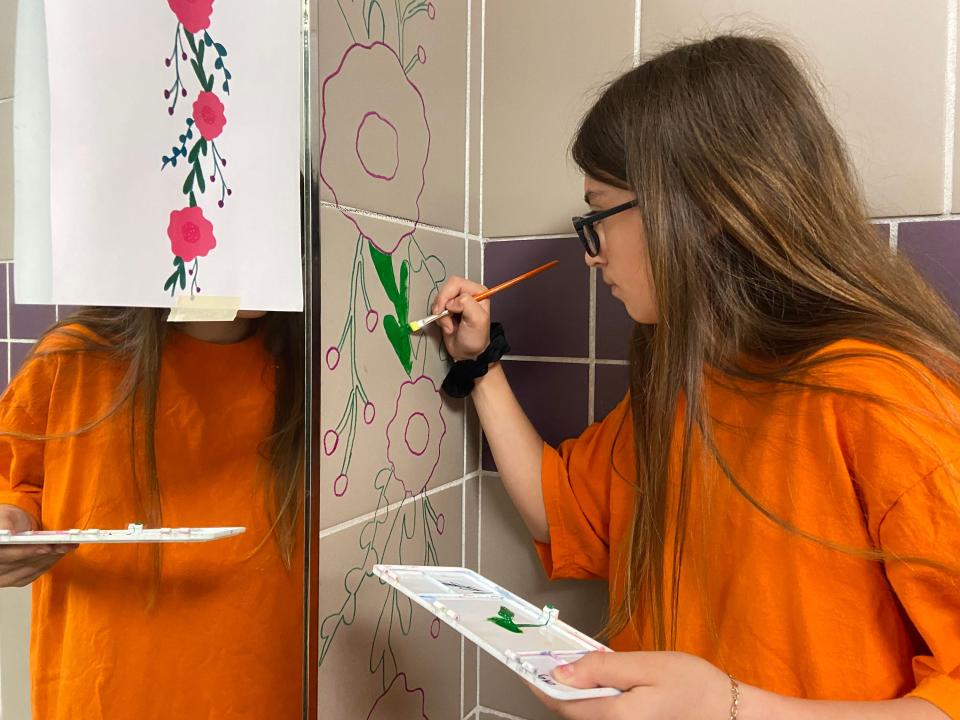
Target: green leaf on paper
x: 198, y: 173
x: 188, y: 183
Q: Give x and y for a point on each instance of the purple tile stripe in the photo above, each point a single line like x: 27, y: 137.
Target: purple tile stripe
x: 547, y: 315
x: 554, y: 396
x: 934, y: 249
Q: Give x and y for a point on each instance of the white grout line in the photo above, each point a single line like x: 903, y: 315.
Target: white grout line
x: 498, y: 713
x: 894, y: 235
x: 483, y: 64
x: 636, y: 33
x: 466, y: 145
x: 347, y: 524
x: 915, y: 218
x: 950, y: 106
x: 392, y: 219
x: 467, y: 272
x: 565, y: 360
x: 512, y: 238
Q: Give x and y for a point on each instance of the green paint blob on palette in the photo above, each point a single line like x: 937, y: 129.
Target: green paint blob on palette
x: 505, y: 620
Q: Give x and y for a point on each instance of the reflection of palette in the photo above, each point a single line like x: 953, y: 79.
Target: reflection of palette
x: 530, y: 641
x: 132, y: 534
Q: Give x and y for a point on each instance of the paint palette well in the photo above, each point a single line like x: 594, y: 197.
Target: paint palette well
x: 530, y: 641
x: 134, y: 533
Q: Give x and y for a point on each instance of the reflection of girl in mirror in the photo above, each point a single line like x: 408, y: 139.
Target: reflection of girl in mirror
x: 118, y: 417
x: 777, y: 496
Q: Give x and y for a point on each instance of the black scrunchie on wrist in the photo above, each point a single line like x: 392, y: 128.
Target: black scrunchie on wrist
x: 463, y: 374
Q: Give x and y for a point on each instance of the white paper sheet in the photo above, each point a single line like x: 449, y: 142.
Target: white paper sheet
x: 33, y: 263
x: 112, y: 204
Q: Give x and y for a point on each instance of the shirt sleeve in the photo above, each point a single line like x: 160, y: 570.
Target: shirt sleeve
x: 23, y: 410
x: 925, y: 523
x: 576, y: 479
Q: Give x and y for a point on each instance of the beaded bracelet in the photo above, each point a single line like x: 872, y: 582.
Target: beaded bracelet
x: 735, y: 697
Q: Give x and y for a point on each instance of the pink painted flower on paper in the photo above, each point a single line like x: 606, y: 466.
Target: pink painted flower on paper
x: 415, y: 433
x: 208, y: 115
x: 194, y: 14
x: 376, y: 143
x: 190, y: 233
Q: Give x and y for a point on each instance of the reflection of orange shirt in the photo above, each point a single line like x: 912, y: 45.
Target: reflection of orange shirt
x: 770, y: 607
x: 224, y: 640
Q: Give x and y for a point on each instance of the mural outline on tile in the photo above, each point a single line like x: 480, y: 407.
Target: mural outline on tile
x: 190, y: 232
x: 417, y: 428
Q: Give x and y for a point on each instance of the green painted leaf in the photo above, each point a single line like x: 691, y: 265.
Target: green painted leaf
x: 221, y: 49
x: 403, y: 301
x: 198, y: 174
x: 201, y: 75
x: 399, y: 337
x: 171, y: 281
x: 183, y: 278
x: 188, y: 183
x: 200, y: 51
x: 208, y: 86
x: 193, y: 199
x: 192, y: 157
x: 384, y: 266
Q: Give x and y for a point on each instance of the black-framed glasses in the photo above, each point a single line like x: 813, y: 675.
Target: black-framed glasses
x: 583, y: 224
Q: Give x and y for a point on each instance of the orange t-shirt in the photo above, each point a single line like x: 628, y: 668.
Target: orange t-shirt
x: 774, y: 609
x: 224, y: 638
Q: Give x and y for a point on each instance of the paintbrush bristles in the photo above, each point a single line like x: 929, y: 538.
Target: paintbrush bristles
x: 418, y: 325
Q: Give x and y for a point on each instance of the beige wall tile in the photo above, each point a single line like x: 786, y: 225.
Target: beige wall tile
x: 883, y: 66
x: 508, y: 558
x: 8, y: 27
x: 406, y: 160
x: 408, y: 425
x: 544, y: 61
x: 6, y: 179
x: 15, y: 652
x: 476, y: 58
x: 381, y: 656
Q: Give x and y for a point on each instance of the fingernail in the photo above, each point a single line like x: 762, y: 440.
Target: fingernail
x: 564, y: 671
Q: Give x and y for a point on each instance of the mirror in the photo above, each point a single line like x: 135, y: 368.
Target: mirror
x: 132, y: 431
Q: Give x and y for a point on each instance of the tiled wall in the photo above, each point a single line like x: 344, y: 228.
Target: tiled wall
x: 569, y: 335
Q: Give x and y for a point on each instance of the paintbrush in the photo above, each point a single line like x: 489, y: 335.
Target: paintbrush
x: 418, y: 325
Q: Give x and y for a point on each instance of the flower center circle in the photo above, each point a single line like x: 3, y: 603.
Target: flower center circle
x: 378, y: 146
x: 190, y: 232
x: 417, y: 433
x: 209, y: 115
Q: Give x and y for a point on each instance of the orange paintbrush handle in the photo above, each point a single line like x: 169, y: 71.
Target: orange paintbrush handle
x: 510, y: 283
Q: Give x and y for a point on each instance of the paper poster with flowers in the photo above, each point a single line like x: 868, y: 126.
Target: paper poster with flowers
x: 175, y: 154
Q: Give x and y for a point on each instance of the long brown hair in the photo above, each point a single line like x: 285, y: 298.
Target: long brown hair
x: 760, y: 246
x: 135, y: 337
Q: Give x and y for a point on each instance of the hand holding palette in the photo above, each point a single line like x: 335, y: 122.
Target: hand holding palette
x: 529, y: 641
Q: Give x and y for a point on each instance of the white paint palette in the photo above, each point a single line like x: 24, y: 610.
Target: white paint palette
x: 134, y: 533
x: 530, y: 641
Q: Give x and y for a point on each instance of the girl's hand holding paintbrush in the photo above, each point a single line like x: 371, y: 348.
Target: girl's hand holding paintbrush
x: 468, y: 335
x: 466, y: 330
